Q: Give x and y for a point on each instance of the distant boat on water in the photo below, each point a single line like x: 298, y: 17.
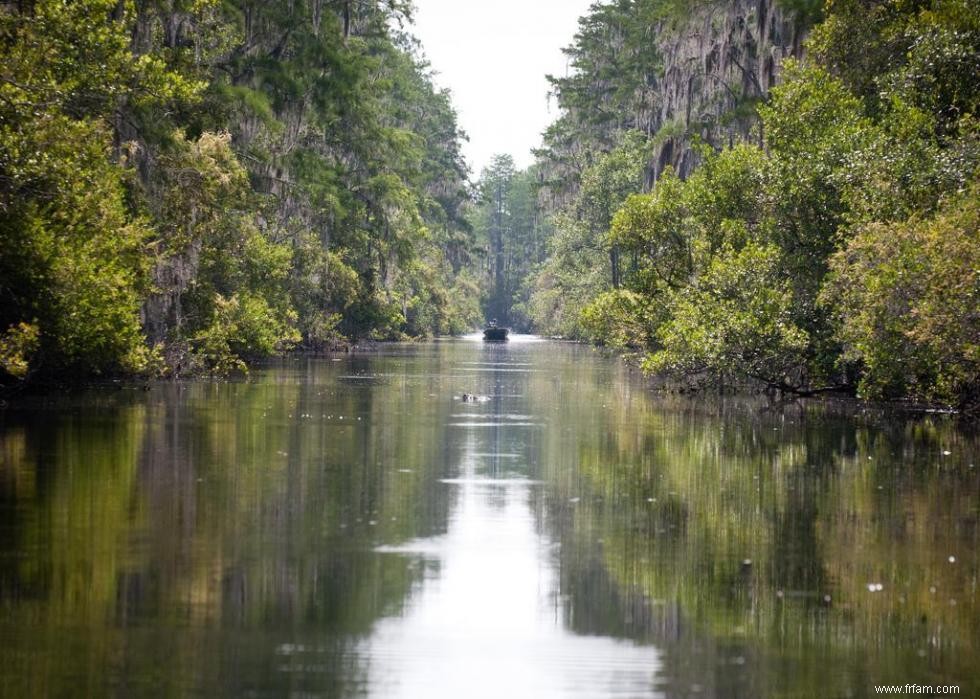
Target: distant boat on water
x: 494, y: 333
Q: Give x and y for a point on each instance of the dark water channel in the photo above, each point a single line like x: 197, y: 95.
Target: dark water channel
x: 346, y: 527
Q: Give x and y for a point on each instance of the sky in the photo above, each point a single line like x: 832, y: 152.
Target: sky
x: 493, y: 55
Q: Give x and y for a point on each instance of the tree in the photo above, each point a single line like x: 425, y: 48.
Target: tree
x: 73, y: 256
x: 584, y: 259
x: 734, y: 320
x: 907, y: 300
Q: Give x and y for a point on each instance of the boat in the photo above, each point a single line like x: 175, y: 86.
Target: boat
x: 494, y: 333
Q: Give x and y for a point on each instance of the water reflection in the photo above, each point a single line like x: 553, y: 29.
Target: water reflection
x: 351, y: 528
x: 487, y: 621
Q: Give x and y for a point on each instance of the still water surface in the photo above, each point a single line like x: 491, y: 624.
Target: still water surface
x: 347, y: 527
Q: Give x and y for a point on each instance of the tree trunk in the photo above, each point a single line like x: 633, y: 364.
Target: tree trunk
x: 614, y: 265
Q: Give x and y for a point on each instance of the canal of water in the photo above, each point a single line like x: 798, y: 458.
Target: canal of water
x: 347, y: 526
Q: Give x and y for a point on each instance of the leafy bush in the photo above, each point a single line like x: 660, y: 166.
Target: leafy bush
x: 623, y: 319
x: 71, y: 259
x: 907, y: 300
x: 17, y: 345
x: 735, y: 319
x: 241, y: 327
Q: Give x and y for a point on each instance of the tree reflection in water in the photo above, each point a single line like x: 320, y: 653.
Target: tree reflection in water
x: 341, y: 528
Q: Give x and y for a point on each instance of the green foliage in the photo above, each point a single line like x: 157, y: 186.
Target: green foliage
x: 673, y: 234
x: 907, y: 298
x: 463, y: 311
x: 575, y: 273
x: 323, y: 286
x: 610, y: 238
x: 17, y: 345
x: 623, y: 319
x: 734, y: 319
x: 343, y: 127
x: 615, y: 66
x: 240, y: 327
x: 72, y: 251
x: 507, y: 224
x: 923, y: 49
x: 816, y: 133
x: 70, y: 255
x: 726, y: 197
x: 584, y: 259
x: 613, y: 177
x: 842, y: 255
x: 654, y: 229
x: 214, y: 179
x: 813, y: 127
x: 830, y: 173
x: 807, y: 12
x: 236, y: 304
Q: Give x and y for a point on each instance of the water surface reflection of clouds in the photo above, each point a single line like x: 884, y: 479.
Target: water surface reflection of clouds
x: 487, y: 621
x: 486, y: 624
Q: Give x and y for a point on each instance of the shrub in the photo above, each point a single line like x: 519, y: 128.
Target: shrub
x: 906, y: 298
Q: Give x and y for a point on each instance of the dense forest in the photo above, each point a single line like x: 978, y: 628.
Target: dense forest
x: 781, y: 191
x: 185, y: 185
x: 785, y: 193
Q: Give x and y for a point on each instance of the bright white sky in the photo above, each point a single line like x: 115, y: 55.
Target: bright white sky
x: 493, y: 56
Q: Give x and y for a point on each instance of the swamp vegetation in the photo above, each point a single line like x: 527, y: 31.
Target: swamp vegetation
x: 728, y: 200
x: 785, y: 192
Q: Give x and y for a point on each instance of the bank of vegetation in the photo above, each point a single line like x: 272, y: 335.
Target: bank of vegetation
x: 816, y: 234
x: 188, y: 184
x: 783, y: 191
